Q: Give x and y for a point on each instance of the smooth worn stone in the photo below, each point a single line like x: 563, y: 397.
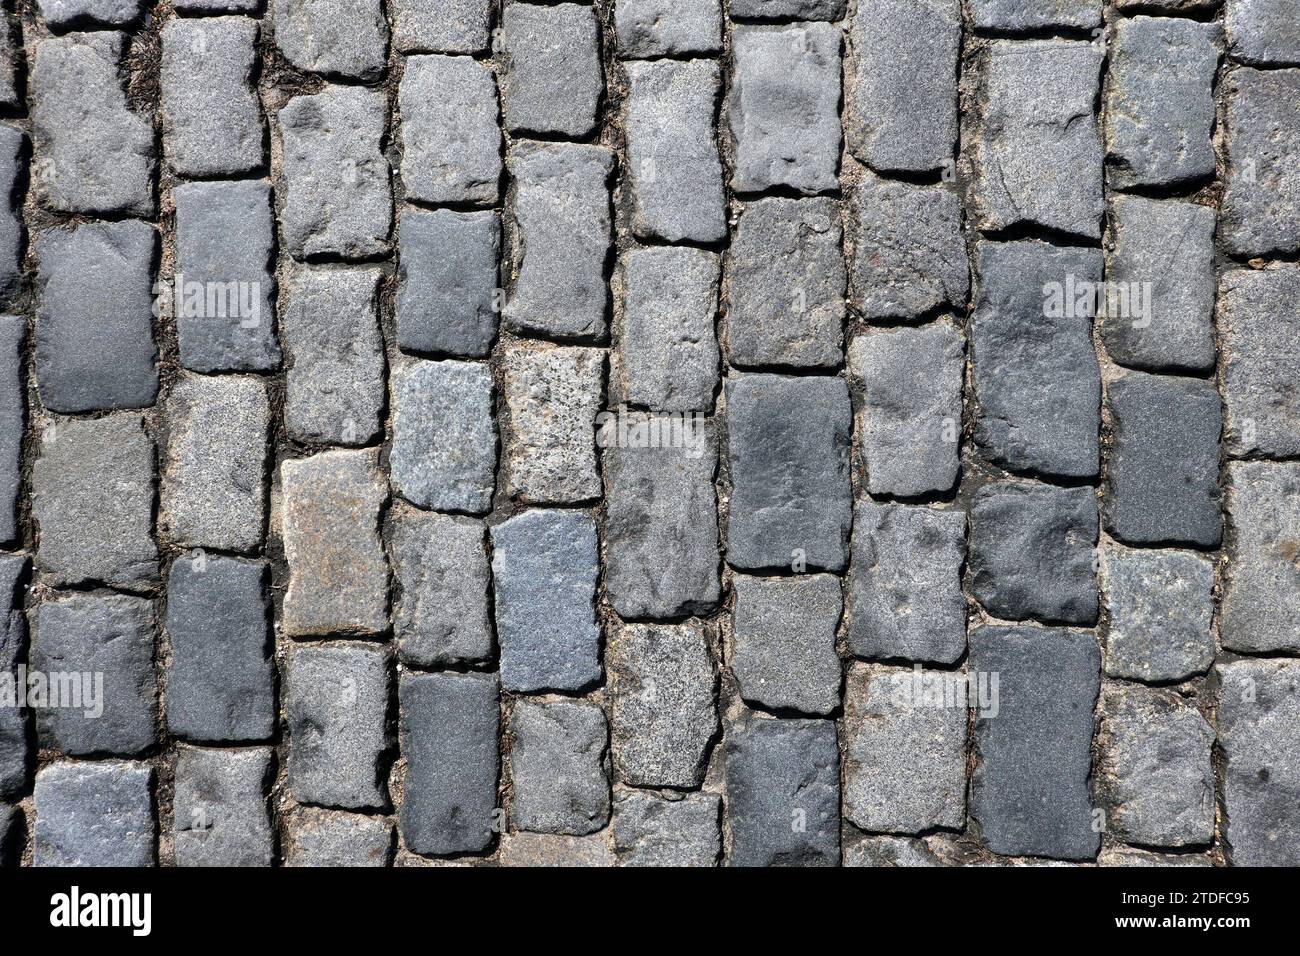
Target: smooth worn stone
x: 338, y: 198
x: 444, y: 440
x: 1034, y: 369
x: 783, y: 642
x: 211, y: 119
x: 556, y: 850
x: 13, y: 154
x: 1258, y: 332
x: 94, y: 814
x: 905, y: 597
x: 902, y: 94
x: 1159, y: 604
x: 1031, y: 551
x: 220, y: 812
x: 451, y: 146
x: 663, y: 715
x: 441, y: 26
x: 85, y: 534
x: 329, y: 514
x: 335, y: 386
x: 788, y: 445
x: 910, y: 419
x: 93, y: 154
x: 449, y: 739
x: 783, y: 107
x: 672, y: 159
x: 336, y: 706
x: 447, y: 294
x: 1160, y: 103
x: 653, y: 28
x: 785, y: 280
x: 905, y: 756
x: 94, y: 332
x: 783, y: 793
x: 666, y: 352
x: 1029, y: 792
x: 222, y: 293
x: 544, y: 569
x: 561, y: 215
x: 552, y: 396
x: 13, y: 401
x: 213, y: 485
x: 1260, y: 213
x: 1161, y: 265
x: 319, y: 838
x: 1263, y: 32
x: 345, y: 38
x: 788, y: 9
x: 653, y: 830
x: 221, y: 679
x: 105, y: 646
x: 553, y: 80
x: 1038, y: 154
x: 1260, y: 612
x: 559, y: 776
x: 15, y: 745
x: 1154, y: 770
x: 1023, y: 15
x: 440, y: 613
x: 661, y: 523
x: 1259, y: 733
x: 1162, y: 481
x: 68, y: 14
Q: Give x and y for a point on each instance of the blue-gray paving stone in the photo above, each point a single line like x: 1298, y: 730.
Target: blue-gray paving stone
x: 1260, y: 212
x: 783, y: 793
x: 553, y: 81
x: 343, y: 38
x: 654, y: 28
x: 788, y: 444
x: 94, y: 814
x: 1263, y: 32
x: 1029, y: 792
x: 94, y: 333
x: 451, y: 145
x: 544, y: 568
x: 221, y: 680
x: 220, y: 813
x: 449, y: 739
x: 441, y: 26
x: 105, y: 646
x: 1025, y: 15
x: 11, y: 227
x: 68, y: 14
x: 316, y: 837
x: 1162, y: 480
x: 559, y: 767
x: 447, y: 294
x: 789, y: 9
x: 1260, y: 611
x: 654, y: 830
x: 15, y: 747
x: 1032, y: 551
x: 1159, y: 605
x: 13, y: 401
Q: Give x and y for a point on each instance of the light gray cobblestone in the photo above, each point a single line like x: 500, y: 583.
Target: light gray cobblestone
x: 553, y: 82
x: 451, y: 147
x: 220, y: 814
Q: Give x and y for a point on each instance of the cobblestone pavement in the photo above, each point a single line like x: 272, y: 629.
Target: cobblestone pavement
x: 650, y: 432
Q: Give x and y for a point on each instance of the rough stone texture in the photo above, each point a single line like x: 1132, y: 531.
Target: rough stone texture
x: 559, y: 773
x: 652, y: 28
x: 15, y: 746
x: 1261, y: 595
x: 220, y: 814
x: 218, y: 6
x: 451, y: 144
x: 11, y: 825
x: 1261, y: 196
x: 652, y: 830
x: 553, y: 80
x: 8, y: 86
x: 1160, y: 604
x: 66, y: 14
x: 12, y: 150
x: 94, y: 814
x: 786, y: 280
x: 1263, y: 32
x: 1019, y: 15
x: 789, y: 9
x: 888, y: 851
x: 315, y: 837
x: 345, y: 38
x: 13, y: 396
x: 447, y: 292
x: 550, y: 849
x: 441, y: 26
x: 544, y: 566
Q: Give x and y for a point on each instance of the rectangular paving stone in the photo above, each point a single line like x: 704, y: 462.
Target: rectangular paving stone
x: 785, y: 282
x: 1037, y: 151
x: 218, y: 6
x: 553, y: 80
x: 16, y: 754
x: 447, y: 294
x: 1021, y: 15
x: 783, y: 107
x: 338, y: 577
x: 654, y: 28
x: 339, y: 38
x: 556, y: 850
x: 98, y: 650
x: 653, y: 830
x: 1159, y: 604
x: 1029, y: 792
x: 559, y: 776
x: 316, y: 837
x: 1260, y: 213
x: 8, y: 88
x: 789, y: 9
x: 94, y: 334
x: 672, y: 159
x: 441, y: 26
x: 13, y: 154
x: 64, y: 14
x: 213, y: 482
x: 449, y: 739
x: 1162, y: 480
x: 221, y: 679
x: 336, y: 705
x: 94, y: 814
x: 788, y: 447
x: 13, y: 401
x: 1260, y: 611
x: 220, y: 811
x: 544, y: 569
x: 86, y: 535
x: 1263, y: 32
x: 451, y: 146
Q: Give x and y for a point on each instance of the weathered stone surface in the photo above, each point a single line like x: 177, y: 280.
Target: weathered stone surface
x: 783, y: 793
x: 1162, y: 481
x: 1031, y: 551
x: 85, y: 534
x: 785, y: 281
x: 13, y: 417
x: 550, y: 849
x: 1261, y: 597
x: 1034, y: 369
x: 1125, y: 856
x: 1160, y: 604
x: 449, y: 740
x: 218, y: 6
x: 1261, y: 197
x: 11, y: 825
x: 1263, y: 32
x: 347, y: 38
x: 560, y: 211
x: 94, y: 814
x: 905, y: 597
x: 553, y: 81
x: 559, y: 768
x: 1015, y: 15
x: 888, y: 851
x: 12, y: 176
x: 788, y: 445
x: 789, y: 9
x: 338, y: 578
x: 451, y: 146
x: 1029, y: 792
x: 94, y: 335
x: 544, y: 566
x: 651, y: 28
x: 783, y: 642
x: 67, y: 14
x: 15, y: 748
x: 8, y: 88
x: 220, y: 815
x: 783, y: 107
x: 652, y: 830
x: 315, y: 837
x: 441, y: 26
x: 221, y: 680
x: 662, y: 704
x: 447, y: 298
x: 1038, y: 155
